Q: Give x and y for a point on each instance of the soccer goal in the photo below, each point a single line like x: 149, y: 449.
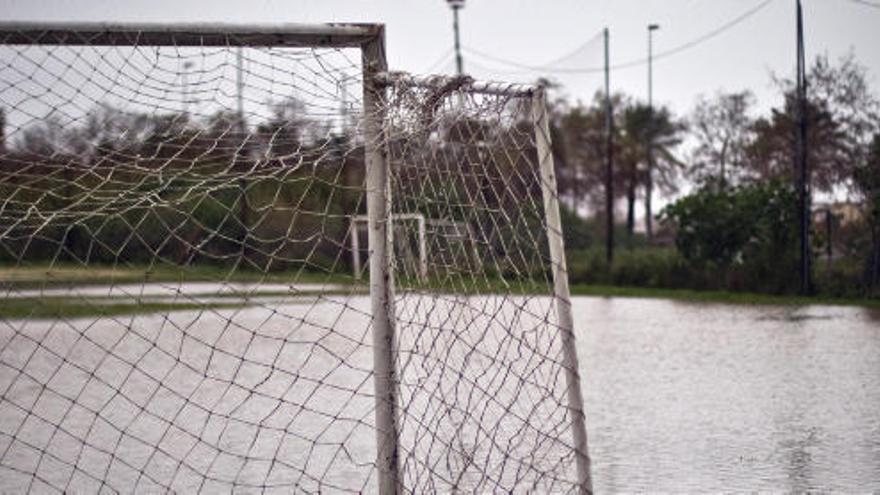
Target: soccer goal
x: 182, y: 303
x: 452, y: 243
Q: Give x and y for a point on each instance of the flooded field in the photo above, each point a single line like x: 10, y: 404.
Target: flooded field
x: 279, y: 394
x: 688, y: 397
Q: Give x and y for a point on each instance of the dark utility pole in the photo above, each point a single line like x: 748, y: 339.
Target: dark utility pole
x: 609, y: 164
x: 801, y: 158
x: 829, y: 235
x: 456, y: 5
x: 649, y: 182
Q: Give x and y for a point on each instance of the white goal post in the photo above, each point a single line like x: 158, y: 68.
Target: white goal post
x: 180, y: 264
x: 401, y: 217
x: 438, y: 227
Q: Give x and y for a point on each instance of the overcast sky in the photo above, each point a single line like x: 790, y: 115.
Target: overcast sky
x: 536, y: 32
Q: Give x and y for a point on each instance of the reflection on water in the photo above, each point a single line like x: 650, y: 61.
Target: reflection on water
x: 696, y: 397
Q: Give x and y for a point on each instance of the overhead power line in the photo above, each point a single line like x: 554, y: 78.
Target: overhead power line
x: 549, y: 66
x: 867, y: 3
x: 437, y: 63
x: 633, y: 63
x: 711, y: 34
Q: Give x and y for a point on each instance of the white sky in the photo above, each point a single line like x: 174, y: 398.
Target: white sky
x: 536, y: 32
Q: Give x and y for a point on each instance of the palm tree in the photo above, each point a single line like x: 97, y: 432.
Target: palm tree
x: 644, y: 125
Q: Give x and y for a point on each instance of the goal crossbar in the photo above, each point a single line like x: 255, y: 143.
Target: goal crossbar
x: 338, y: 35
x: 464, y: 84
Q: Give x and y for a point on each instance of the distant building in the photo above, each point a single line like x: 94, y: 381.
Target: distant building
x: 845, y: 212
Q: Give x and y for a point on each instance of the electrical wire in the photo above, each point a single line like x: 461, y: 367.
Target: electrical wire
x: 439, y: 61
x: 638, y: 62
x: 711, y: 34
x: 866, y: 3
x: 549, y: 66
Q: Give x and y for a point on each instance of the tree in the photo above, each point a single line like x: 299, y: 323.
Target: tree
x: 579, y: 143
x: 47, y: 137
x: 867, y: 178
x: 771, y: 153
x: 845, y: 90
x: 842, y: 116
x: 284, y: 134
x: 576, y: 142
x: 723, y: 129
x: 643, y: 125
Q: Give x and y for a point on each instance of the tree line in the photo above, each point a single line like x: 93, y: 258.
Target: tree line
x: 130, y: 187
x: 278, y: 193
x: 266, y: 195
x: 731, y: 174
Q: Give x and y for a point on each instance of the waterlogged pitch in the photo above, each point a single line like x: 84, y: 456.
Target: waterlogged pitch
x: 276, y: 394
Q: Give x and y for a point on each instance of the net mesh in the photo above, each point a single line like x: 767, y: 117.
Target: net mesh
x: 183, y: 306
x: 483, y: 404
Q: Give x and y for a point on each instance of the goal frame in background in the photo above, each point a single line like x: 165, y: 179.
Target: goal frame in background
x: 354, y: 241
x: 370, y: 39
x: 356, y: 222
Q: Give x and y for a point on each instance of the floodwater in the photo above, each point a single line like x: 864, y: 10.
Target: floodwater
x: 690, y: 397
x: 680, y: 397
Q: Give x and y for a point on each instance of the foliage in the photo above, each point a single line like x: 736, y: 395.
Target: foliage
x: 640, y: 267
x: 140, y: 187
x: 738, y: 230
x: 841, y: 115
x: 867, y: 178
x: 723, y: 129
x: 578, y: 233
x: 771, y: 153
x: 655, y: 129
x: 749, y: 233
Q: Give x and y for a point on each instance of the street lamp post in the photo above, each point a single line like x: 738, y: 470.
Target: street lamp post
x: 456, y: 5
x: 649, y: 182
x: 651, y: 29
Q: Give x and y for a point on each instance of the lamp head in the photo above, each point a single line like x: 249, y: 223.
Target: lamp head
x: 455, y: 4
x: 653, y: 27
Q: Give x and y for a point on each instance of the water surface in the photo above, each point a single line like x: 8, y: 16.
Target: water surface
x: 680, y: 397
x: 708, y: 397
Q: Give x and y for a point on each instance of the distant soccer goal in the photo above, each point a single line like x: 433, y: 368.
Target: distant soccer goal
x: 253, y: 259
x: 451, y: 242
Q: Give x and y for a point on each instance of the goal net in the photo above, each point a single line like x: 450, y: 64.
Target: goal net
x: 188, y: 305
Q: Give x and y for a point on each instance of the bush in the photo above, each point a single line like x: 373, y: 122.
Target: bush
x: 745, y: 238
x: 578, y: 233
x: 843, y: 278
x: 643, y: 267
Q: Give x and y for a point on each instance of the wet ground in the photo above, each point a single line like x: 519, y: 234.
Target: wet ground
x: 680, y: 397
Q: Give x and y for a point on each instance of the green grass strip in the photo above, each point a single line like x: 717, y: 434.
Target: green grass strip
x: 28, y: 276
x: 722, y: 297
x: 74, y: 307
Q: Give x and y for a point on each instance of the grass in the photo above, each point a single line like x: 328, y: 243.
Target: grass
x: 66, y: 274
x: 74, y: 307
x: 724, y: 297
x: 46, y: 276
